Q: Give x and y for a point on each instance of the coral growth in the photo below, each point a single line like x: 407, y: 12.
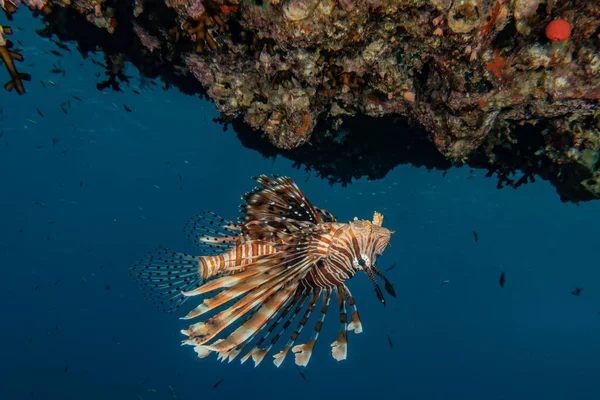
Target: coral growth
x: 9, y: 57
x: 469, y: 72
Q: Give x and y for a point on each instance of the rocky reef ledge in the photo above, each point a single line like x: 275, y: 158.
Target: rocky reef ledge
x: 512, y: 86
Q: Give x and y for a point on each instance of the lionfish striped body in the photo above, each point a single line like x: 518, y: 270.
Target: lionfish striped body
x: 274, y: 265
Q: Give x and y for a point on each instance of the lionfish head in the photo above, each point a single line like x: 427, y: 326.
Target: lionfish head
x: 371, y: 240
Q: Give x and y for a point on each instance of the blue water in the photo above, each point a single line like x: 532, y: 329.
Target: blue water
x: 111, y: 192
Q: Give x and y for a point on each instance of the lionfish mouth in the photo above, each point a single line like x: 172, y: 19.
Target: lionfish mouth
x: 388, y: 286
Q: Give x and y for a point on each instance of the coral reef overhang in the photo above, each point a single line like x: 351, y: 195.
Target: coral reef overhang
x: 477, y: 81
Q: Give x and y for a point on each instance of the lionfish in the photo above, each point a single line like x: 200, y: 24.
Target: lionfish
x: 281, y: 258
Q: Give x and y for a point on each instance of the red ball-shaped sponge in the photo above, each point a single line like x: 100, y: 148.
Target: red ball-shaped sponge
x: 558, y: 30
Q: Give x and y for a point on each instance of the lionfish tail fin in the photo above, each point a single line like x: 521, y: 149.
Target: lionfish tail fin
x: 165, y: 274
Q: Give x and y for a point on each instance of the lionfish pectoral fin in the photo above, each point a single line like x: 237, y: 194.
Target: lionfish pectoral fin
x: 303, y: 352
x: 233, y: 285
x: 165, y: 275
x: 355, y: 324
x: 339, y: 348
x: 279, y: 357
x: 233, y: 354
x: 258, y: 355
x: 202, y: 351
x: 268, y: 308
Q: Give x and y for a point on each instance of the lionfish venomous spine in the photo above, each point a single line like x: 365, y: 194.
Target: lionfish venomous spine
x: 276, y: 263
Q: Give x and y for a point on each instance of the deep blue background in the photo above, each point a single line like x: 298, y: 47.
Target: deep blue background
x: 467, y: 340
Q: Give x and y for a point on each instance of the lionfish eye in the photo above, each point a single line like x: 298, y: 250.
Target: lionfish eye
x: 361, y: 262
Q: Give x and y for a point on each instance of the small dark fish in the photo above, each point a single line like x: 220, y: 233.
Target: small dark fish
x: 20, y: 230
x: 65, y: 151
x: 57, y: 69
x: 51, y: 222
x: 445, y: 282
x: 127, y: 108
x: 43, y: 84
x: 390, y: 341
x: 218, y: 383
x: 39, y: 203
x: 577, y: 291
x: 76, y: 98
x: 55, y: 140
x: 107, y: 287
x: 66, y: 369
x: 136, y: 91
x: 1, y: 134
x: 64, y: 110
x: 444, y: 173
x: 39, y: 112
x: 20, y: 43
x: 391, y: 267
x: 502, y: 279
x: 81, y: 184
x: 35, y: 289
x: 302, y: 374
x: 56, y: 282
x: 56, y: 53
x: 61, y: 45
x: 39, y: 147
x: 476, y: 236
